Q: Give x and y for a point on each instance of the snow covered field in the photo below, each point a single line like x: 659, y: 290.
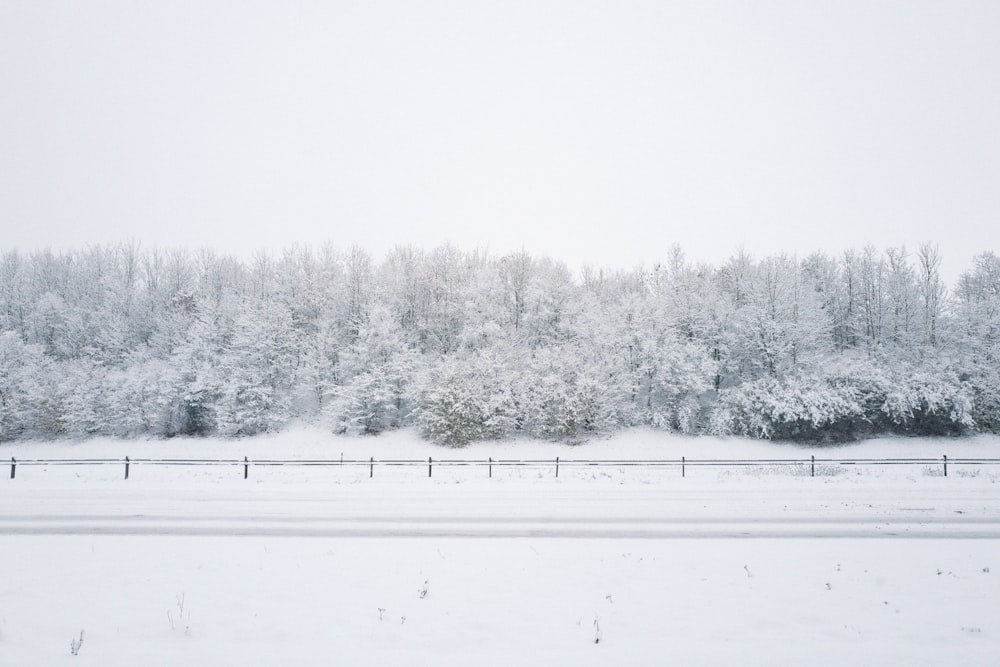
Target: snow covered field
x: 859, y: 565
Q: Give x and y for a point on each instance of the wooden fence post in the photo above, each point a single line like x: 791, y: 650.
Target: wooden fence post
x: 491, y: 467
x: 126, y: 467
x: 13, y: 467
x: 945, y: 465
x: 246, y: 467
x: 371, y: 468
x: 430, y: 462
x: 557, y: 467
x: 683, y: 466
x: 812, y: 466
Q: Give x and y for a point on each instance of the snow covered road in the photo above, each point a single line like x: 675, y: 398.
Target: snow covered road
x: 541, y: 528
x: 932, y: 509
x: 796, y: 571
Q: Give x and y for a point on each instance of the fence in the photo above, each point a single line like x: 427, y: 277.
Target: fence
x: 682, y: 464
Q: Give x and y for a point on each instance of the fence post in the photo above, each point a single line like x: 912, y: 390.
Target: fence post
x: 13, y: 467
x: 246, y: 467
x: 126, y: 467
x: 683, y: 465
x: 491, y: 467
x: 430, y: 462
x: 557, y: 467
x: 812, y: 466
x: 945, y: 465
x: 371, y: 468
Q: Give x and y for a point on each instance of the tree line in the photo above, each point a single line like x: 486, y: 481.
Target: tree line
x: 125, y: 341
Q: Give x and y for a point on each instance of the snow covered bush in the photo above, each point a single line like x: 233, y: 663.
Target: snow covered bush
x: 465, y: 398
x: 82, y: 398
x: 922, y: 403
x: 677, y: 382
x: 907, y: 400
x: 257, y: 374
x: 497, y: 392
x: 984, y: 387
x: 379, y: 366
x: 794, y: 409
x: 545, y: 404
x: 370, y: 403
x: 557, y: 396
x: 864, y: 400
x: 661, y: 376
x: 23, y: 400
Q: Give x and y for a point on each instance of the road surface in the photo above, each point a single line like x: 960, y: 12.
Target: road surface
x: 525, y: 509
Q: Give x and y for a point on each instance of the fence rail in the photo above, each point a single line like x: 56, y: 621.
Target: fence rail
x: 682, y: 463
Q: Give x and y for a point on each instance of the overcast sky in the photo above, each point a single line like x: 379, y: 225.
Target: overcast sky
x: 598, y: 132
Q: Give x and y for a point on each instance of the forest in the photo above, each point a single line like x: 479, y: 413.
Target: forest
x: 124, y: 341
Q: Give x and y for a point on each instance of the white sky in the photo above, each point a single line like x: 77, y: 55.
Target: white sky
x: 588, y: 131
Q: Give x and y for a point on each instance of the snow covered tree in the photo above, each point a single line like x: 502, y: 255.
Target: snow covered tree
x: 377, y: 368
x: 465, y: 397
x: 258, y: 372
x: 978, y: 337
x: 124, y: 340
x: 26, y: 403
x: 779, y: 325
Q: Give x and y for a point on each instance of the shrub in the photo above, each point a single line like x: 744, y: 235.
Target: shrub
x: 465, y: 400
x: 794, y: 409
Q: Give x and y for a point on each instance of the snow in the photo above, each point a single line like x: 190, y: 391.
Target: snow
x: 639, y: 443
x: 297, y: 565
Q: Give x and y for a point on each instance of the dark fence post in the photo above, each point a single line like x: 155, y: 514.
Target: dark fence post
x: 557, y: 466
x: 246, y: 467
x: 945, y: 465
x: 371, y: 468
x: 430, y: 462
x: 13, y: 467
x: 491, y: 468
x: 126, y: 467
x: 683, y: 466
x: 812, y: 467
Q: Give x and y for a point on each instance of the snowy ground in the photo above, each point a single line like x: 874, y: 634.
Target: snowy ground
x: 858, y: 565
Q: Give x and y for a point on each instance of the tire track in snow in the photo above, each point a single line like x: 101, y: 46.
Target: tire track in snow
x: 492, y: 527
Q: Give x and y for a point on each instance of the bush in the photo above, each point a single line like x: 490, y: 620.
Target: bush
x: 984, y: 387
x: 794, y: 409
x: 926, y: 404
x: 863, y: 400
x: 465, y: 400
